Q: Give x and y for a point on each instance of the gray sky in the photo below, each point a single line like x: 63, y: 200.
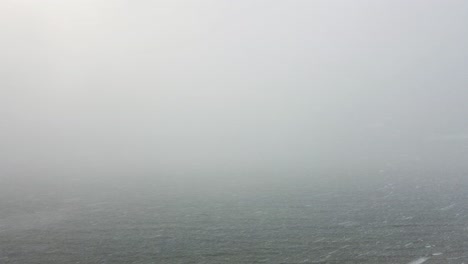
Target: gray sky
x: 232, y: 86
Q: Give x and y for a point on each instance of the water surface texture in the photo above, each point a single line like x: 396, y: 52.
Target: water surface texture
x: 386, y: 222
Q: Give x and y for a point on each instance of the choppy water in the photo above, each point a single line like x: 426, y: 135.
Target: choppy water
x: 413, y: 222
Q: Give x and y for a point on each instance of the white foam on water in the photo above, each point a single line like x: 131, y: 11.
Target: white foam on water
x: 419, y: 260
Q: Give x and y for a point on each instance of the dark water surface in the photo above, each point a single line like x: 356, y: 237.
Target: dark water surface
x: 388, y: 221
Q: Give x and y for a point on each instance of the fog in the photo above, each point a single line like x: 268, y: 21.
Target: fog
x: 225, y: 88
x: 202, y: 128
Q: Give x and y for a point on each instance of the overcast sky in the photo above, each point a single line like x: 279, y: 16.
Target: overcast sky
x: 222, y: 86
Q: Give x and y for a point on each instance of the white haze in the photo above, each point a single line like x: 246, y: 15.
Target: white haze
x: 231, y: 88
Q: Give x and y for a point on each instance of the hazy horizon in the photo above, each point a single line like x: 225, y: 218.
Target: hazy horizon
x: 187, y: 87
x: 233, y: 131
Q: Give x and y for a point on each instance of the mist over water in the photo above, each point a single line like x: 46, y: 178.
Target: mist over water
x: 242, y: 131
